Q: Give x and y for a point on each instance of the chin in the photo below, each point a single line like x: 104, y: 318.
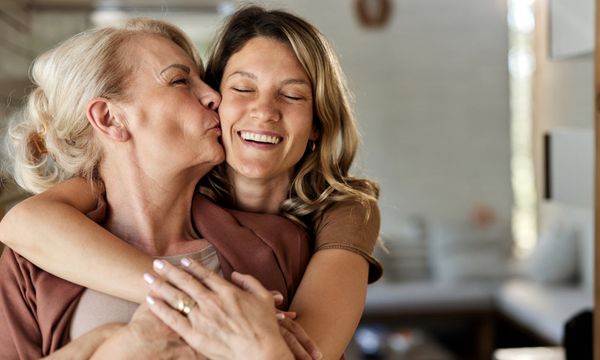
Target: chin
x: 253, y: 172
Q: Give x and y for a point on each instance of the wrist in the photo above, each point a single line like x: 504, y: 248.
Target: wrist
x: 276, y: 350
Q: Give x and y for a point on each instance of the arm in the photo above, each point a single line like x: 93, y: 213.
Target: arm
x: 84, y: 346
x: 331, y: 295
x: 331, y: 298
x: 74, y: 247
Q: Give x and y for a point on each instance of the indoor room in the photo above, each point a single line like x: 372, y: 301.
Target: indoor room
x: 476, y: 120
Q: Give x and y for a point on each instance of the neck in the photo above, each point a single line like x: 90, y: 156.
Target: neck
x: 258, y: 195
x: 149, y: 210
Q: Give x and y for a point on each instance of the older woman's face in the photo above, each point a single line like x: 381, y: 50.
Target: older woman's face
x: 266, y: 112
x: 170, y: 111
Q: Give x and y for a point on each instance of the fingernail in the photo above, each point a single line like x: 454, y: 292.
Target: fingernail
x: 149, y: 278
x: 185, y: 262
x: 317, y: 355
x: 150, y: 300
x: 280, y: 316
x: 278, y: 297
x: 158, y: 264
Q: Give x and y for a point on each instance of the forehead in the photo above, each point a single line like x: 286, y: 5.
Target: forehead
x: 265, y: 55
x: 152, y: 53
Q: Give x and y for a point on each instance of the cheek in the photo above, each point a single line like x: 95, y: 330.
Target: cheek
x: 226, y: 127
x: 303, y: 125
x: 229, y: 113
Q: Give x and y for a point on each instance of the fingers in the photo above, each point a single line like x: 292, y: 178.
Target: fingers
x: 286, y: 314
x: 165, y: 290
x: 277, y: 297
x: 250, y: 284
x: 301, y: 337
x: 213, y: 281
x: 199, y: 272
x: 181, y: 280
x: 211, y: 293
x: 209, y: 279
x: 172, y: 318
x: 295, y: 347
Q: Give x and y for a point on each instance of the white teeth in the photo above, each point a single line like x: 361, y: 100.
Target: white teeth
x: 260, y: 137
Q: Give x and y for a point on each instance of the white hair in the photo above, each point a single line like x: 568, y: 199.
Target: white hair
x: 51, y: 140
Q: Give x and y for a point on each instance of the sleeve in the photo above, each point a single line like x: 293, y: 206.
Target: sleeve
x: 20, y: 335
x: 352, y: 226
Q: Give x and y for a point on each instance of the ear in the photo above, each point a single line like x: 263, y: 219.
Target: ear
x: 314, y: 134
x: 105, y: 119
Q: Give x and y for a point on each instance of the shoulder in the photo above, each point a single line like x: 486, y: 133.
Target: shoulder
x: 352, y: 216
x: 352, y: 226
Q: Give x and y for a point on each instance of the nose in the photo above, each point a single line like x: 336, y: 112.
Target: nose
x: 266, y: 108
x: 209, y: 97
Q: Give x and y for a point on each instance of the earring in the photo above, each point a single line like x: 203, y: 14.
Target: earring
x: 312, y: 145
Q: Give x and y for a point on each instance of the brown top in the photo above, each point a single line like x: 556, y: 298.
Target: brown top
x: 36, y: 308
x: 96, y: 308
x: 346, y: 226
x: 268, y: 247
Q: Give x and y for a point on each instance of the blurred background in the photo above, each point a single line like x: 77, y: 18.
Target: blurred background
x: 477, y: 121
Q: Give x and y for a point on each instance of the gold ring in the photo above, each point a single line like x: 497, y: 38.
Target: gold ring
x: 185, y: 306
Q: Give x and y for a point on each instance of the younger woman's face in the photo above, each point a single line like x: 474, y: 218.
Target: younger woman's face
x: 266, y: 110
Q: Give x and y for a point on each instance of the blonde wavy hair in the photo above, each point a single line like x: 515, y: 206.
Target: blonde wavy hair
x: 322, y: 175
x: 51, y: 140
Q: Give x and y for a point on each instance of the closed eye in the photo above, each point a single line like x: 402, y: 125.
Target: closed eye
x: 291, y: 97
x: 242, y: 90
x: 180, y: 81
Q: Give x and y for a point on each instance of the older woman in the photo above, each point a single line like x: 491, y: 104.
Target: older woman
x: 97, y: 114
x: 290, y: 139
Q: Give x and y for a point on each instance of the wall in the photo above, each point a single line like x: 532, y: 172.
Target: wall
x: 432, y: 100
x: 564, y: 100
x: 15, y: 52
x: 25, y: 35
x: 563, y: 89
x: 431, y: 97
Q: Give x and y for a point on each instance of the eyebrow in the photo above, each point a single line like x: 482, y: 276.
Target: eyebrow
x: 285, y: 82
x: 177, y: 66
x: 295, y: 81
x: 244, y: 74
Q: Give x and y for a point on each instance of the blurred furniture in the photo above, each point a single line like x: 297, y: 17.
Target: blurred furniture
x: 470, y: 285
x: 538, y: 353
x: 464, y: 311
x: 557, y: 280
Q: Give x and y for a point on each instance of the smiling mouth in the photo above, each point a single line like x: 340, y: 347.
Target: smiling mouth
x: 260, y: 138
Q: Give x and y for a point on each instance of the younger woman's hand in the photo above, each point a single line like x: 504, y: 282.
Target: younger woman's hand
x: 145, y: 337
x: 298, y: 340
x: 294, y: 335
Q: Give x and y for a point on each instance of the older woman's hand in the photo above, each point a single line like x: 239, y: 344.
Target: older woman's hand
x: 220, y: 320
